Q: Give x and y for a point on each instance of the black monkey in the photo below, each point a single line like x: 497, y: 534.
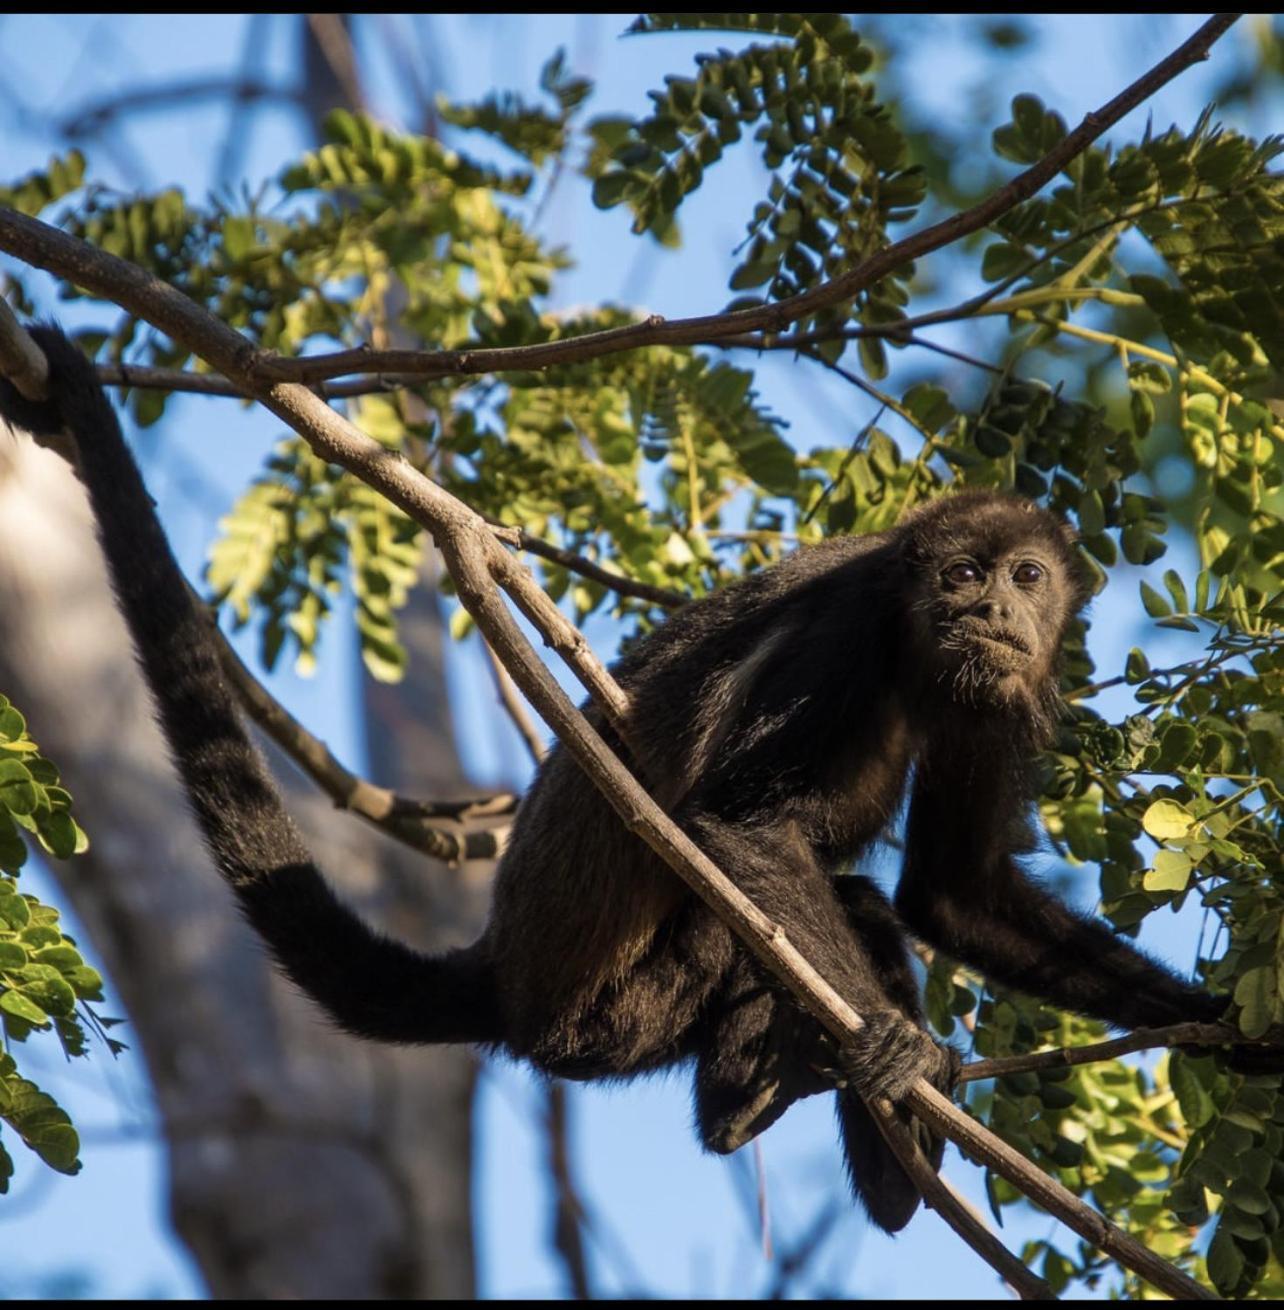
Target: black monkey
x: 784, y: 716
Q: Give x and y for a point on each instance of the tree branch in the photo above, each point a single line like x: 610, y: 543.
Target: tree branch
x: 586, y: 568
x: 1142, y: 1039
x: 21, y: 360
x: 264, y: 366
x: 478, y: 563
x: 413, y: 822
x: 939, y: 1196
x: 148, y: 378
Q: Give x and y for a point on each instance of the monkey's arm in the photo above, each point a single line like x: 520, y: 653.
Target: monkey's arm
x: 370, y: 985
x: 963, y: 892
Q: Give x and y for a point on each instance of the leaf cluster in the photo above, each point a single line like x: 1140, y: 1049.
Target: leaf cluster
x: 44, y: 980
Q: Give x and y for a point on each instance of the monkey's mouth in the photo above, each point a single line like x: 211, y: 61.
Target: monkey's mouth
x: 1009, y: 639
x: 1003, y: 642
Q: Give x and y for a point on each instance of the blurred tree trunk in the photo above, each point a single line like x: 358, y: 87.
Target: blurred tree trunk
x: 303, y: 1162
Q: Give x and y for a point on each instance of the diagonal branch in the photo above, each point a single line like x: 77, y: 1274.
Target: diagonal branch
x: 477, y: 561
x: 481, y: 567
x: 938, y: 1194
x: 434, y: 827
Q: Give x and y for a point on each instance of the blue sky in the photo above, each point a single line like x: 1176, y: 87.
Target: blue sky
x: 678, y: 1214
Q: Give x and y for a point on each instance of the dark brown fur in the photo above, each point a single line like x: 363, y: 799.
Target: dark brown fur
x: 785, y: 718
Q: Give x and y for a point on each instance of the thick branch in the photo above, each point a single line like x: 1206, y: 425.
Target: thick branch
x: 477, y: 561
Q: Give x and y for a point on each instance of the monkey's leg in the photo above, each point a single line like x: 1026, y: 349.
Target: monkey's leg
x: 856, y: 943
x: 752, y: 1063
x: 760, y: 1052
x: 649, y: 1017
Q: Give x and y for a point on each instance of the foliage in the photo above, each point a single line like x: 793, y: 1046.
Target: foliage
x: 840, y: 171
x: 44, y: 981
x: 1125, y: 320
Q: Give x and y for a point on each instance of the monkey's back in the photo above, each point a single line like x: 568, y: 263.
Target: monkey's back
x: 584, y: 913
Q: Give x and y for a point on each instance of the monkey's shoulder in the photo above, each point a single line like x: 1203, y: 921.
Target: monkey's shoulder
x: 728, y: 625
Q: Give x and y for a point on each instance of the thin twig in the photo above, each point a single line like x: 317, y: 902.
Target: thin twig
x: 569, y: 1215
x: 1142, y: 1039
x: 586, y: 568
x: 940, y: 1197
x: 414, y: 822
x: 145, y: 377
x: 515, y: 708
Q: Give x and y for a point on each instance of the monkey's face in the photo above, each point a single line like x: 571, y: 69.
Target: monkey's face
x: 994, y: 619
x: 992, y: 599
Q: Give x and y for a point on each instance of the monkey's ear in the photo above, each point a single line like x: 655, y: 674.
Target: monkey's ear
x: 1069, y: 532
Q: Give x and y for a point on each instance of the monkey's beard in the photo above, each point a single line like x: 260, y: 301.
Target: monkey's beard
x: 999, y: 679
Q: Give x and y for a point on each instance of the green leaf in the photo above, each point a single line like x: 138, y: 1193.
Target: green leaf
x: 1225, y: 1264
x: 1248, y: 1197
x: 20, y: 1007
x: 58, y: 833
x: 1137, y: 668
x: 1168, y: 821
x: 238, y: 236
x: 1197, y: 1106
x: 1255, y: 995
x: 1171, y: 872
x: 1178, y: 741
x: 1177, y: 590
x: 1002, y: 260
x: 57, y: 1144
x: 54, y: 996
x: 17, y: 787
x: 1155, y: 605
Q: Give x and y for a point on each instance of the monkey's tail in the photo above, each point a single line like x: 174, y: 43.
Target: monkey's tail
x: 371, y: 985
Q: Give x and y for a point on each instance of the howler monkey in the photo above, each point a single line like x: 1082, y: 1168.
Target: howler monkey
x: 785, y: 717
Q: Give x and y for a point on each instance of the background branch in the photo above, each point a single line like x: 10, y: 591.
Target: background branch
x: 414, y: 822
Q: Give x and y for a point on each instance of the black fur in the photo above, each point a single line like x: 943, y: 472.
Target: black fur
x: 784, y: 717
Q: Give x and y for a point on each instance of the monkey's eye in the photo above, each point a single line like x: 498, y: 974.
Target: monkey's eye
x: 962, y: 573
x: 1027, y: 574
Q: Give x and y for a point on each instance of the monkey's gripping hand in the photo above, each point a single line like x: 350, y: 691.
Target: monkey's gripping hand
x: 891, y: 1052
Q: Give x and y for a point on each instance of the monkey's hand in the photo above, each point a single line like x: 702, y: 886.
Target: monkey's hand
x: 891, y: 1052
